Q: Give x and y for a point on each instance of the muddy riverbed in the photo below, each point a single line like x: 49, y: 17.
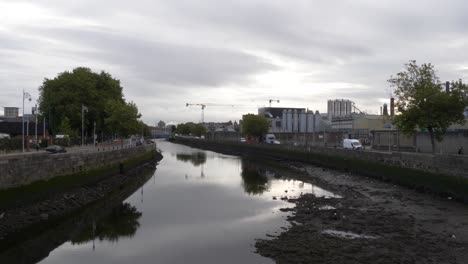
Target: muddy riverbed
x: 372, y: 222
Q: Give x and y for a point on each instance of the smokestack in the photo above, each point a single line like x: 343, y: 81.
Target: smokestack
x: 447, y: 87
x: 392, y: 106
x: 380, y: 110
x: 385, y: 110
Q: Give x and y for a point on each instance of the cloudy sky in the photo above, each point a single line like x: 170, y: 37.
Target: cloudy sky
x: 233, y: 54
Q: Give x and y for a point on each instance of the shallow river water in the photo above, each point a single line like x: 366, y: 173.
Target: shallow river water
x: 198, y: 207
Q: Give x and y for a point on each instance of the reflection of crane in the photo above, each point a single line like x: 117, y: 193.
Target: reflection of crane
x: 273, y: 100
x: 203, y: 105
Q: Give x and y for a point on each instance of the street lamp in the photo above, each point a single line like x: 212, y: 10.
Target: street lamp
x: 83, y: 109
x: 25, y: 96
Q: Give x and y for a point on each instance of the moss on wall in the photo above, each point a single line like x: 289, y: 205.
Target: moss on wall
x: 40, y: 190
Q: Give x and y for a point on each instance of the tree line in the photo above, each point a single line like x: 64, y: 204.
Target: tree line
x: 108, y: 113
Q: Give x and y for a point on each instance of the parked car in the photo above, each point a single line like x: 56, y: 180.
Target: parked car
x: 352, y: 144
x: 55, y: 149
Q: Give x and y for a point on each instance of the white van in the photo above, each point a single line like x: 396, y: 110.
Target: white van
x: 352, y: 144
x: 271, y: 139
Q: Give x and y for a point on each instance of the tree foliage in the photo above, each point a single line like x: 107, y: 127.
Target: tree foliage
x: 63, y: 96
x: 255, y: 125
x: 191, y: 129
x: 123, y: 118
x: 422, y: 102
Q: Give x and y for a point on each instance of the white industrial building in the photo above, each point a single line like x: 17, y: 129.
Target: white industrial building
x: 291, y: 120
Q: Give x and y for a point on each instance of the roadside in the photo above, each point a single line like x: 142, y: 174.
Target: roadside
x: 373, y: 222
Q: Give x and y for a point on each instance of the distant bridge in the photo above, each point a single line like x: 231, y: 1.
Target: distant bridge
x: 161, y: 135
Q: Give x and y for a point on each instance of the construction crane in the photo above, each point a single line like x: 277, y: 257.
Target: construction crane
x: 202, y: 110
x: 203, y: 105
x: 273, y: 100
x: 355, y: 108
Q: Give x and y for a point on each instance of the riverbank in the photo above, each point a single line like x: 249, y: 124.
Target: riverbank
x: 372, y: 222
x: 45, y: 201
x: 102, y: 219
x: 417, y: 171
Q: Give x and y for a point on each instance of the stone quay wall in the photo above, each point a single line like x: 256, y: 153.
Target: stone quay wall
x: 22, y: 169
x: 372, y: 163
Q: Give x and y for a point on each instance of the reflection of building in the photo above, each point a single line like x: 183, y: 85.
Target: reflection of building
x: 291, y: 120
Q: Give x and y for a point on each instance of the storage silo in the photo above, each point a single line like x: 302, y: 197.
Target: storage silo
x: 317, y: 122
x: 295, y: 121
x: 302, y: 121
x: 310, y: 121
x: 289, y: 120
x: 284, y: 124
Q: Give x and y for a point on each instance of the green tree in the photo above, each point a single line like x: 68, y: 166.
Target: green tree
x: 183, y: 129
x: 122, y: 118
x: 422, y: 102
x: 65, y: 128
x: 198, y: 130
x: 63, y: 96
x: 255, y: 125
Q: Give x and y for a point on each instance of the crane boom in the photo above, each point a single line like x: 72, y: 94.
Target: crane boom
x: 203, y: 105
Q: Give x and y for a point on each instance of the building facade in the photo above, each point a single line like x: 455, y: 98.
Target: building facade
x: 293, y: 120
x: 11, y: 112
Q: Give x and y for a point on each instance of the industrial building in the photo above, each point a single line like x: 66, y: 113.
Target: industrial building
x: 10, y: 112
x: 293, y: 120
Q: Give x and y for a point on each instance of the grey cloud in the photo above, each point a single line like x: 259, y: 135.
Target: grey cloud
x: 161, y: 62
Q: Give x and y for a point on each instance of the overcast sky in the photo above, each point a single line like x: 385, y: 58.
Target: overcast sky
x: 240, y: 53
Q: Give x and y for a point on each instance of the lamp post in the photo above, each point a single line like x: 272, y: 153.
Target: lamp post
x: 83, y: 109
x: 35, y: 115
x: 28, y: 96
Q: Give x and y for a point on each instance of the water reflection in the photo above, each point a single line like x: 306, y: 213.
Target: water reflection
x: 254, y: 180
x: 185, y: 219
x: 196, y: 158
x: 122, y: 221
x: 108, y: 220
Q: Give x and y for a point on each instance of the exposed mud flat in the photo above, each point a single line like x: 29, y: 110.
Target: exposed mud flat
x: 372, y: 222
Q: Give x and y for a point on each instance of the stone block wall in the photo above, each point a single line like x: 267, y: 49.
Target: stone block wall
x: 18, y: 169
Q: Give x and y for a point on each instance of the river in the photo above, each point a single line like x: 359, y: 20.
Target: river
x: 197, y: 207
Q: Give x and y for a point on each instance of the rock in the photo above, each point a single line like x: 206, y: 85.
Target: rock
x: 274, y: 197
x: 44, y: 216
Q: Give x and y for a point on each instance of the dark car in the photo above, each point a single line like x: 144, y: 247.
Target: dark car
x: 56, y: 149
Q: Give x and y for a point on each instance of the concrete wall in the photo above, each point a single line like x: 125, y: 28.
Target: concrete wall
x: 17, y: 170
x: 420, y: 142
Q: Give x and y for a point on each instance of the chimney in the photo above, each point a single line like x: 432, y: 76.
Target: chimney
x: 380, y: 110
x: 392, y: 106
x: 447, y: 87
x: 385, y: 110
